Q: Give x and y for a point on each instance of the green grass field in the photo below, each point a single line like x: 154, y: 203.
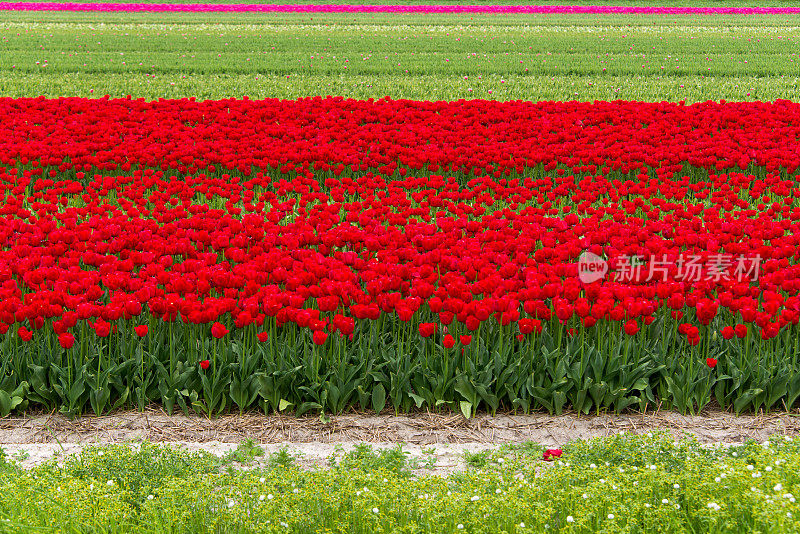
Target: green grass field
x: 619, y: 484
x: 441, y: 57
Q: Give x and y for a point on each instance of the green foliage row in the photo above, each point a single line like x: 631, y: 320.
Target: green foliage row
x: 630, y: 484
x: 390, y: 366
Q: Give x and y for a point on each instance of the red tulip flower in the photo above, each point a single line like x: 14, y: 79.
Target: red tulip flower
x: 24, y: 334
x: 262, y: 336
x: 141, y: 330
x: 711, y: 362
x: 427, y: 329
x: 66, y: 340
x: 550, y: 454
x: 727, y: 332
x: 218, y: 330
x: 448, y: 341
x: 319, y: 337
x: 631, y: 327
x: 102, y: 328
x: 205, y: 364
x: 525, y: 326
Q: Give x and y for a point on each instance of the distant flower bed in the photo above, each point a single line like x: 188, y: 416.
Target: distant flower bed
x: 432, y: 8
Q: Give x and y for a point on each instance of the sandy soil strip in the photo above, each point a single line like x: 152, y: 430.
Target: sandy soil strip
x: 417, y: 429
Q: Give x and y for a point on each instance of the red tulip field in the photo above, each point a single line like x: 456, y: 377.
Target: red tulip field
x: 322, y: 254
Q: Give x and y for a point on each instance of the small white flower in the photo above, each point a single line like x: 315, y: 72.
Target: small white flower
x: 756, y: 475
x: 262, y: 479
x: 714, y: 506
x: 231, y: 503
x: 295, y: 490
x: 570, y: 519
x: 261, y: 497
x: 585, y: 495
x: 676, y: 486
x: 768, y: 468
x: 374, y: 510
x: 789, y: 514
x: 149, y: 497
x: 269, y: 496
x: 474, y: 498
x: 592, y: 466
x: 653, y: 467
x: 498, y: 490
x: 677, y: 506
x: 611, y: 516
x: 647, y: 505
x: 459, y: 526
x: 522, y: 525
x: 500, y: 460
x: 284, y: 524
x: 717, y: 479
x: 749, y: 467
x: 110, y: 483
x: 664, y: 501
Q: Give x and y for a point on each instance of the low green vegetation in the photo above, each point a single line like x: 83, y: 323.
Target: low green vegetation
x: 430, y: 57
x: 618, y: 484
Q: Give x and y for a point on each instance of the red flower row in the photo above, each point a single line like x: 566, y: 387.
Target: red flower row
x: 321, y: 212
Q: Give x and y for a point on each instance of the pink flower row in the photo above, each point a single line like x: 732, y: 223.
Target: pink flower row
x: 345, y: 8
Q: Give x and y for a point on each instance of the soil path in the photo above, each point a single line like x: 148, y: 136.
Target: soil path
x: 418, y: 429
